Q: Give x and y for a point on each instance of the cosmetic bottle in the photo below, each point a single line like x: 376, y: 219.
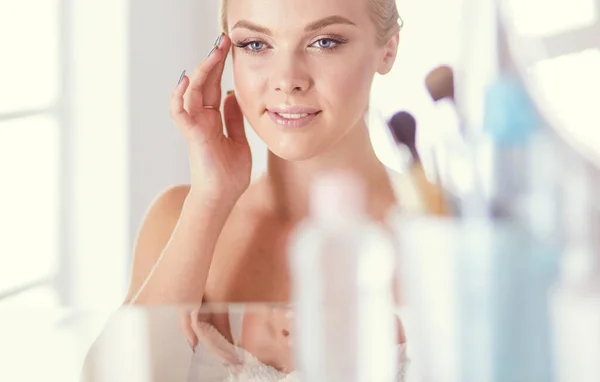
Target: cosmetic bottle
x: 522, y: 201
x: 342, y: 269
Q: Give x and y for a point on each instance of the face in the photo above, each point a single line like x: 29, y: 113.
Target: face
x: 303, y: 70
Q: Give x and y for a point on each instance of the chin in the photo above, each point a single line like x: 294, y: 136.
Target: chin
x: 291, y: 145
x: 296, y: 153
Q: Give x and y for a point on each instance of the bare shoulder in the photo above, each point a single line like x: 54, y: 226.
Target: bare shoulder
x: 171, y: 200
x: 158, y: 225
x: 164, y: 212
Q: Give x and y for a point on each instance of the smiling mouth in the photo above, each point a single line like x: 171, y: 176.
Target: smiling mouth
x: 292, y: 120
x: 293, y: 116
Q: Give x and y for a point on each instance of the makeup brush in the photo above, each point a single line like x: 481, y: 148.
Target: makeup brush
x: 440, y: 86
x: 440, y: 83
x: 452, y: 135
x: 404, y: 129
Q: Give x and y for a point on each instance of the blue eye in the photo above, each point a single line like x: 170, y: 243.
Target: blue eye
x: 326, y: 43
x: 261, y: 47
x: 252, y: 46
x: 256, y: 46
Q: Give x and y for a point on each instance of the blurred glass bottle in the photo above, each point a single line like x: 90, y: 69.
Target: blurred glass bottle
x: 510, y: 264
x: 343, y: 265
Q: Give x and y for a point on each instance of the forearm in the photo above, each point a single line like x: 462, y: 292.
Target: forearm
x: 179, y: 276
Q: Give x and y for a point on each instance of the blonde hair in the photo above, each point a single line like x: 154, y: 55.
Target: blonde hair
x: 384, y: 14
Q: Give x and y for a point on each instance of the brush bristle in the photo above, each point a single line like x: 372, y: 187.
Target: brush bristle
x: 440, y: 83
x: 404, y: 129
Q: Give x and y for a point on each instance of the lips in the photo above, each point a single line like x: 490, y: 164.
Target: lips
x: 293, y: 116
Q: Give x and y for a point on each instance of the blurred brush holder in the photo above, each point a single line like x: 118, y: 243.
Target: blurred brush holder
x: 478, y: 292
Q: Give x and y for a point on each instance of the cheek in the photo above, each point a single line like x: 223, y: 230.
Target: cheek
x: 249, y: 80
x: 337, y: 82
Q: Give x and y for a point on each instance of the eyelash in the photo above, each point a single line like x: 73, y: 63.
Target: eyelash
x: 337, y: 41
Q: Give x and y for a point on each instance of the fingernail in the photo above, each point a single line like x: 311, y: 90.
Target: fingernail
x: 219, y: 40
x: 216, y: 45
x: 191, y: 346
x: 229, y: 92
x: 211, y: 51
x: 181, y: 77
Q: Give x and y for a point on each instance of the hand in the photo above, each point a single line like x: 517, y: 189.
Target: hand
x: 220, y: 165
x: 197, y: 328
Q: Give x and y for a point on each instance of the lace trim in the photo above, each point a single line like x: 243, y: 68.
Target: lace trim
x: 219, y: 360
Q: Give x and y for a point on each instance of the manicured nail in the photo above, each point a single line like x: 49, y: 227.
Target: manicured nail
x: 219, y: 40
x: 181, y: 77
x: 191, y: 346
x: 229, y: 92
x: 216, y: 45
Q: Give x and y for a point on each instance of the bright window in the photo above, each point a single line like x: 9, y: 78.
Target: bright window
x: 537, y: 18
x: 30, y: 168
x: 29, y: 37
x: 30, y: 152
x: 569, y: 84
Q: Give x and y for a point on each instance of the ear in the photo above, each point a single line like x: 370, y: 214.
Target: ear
x: 390, y: 50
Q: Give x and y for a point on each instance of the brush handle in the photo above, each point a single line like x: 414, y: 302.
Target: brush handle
x: 431, y: 195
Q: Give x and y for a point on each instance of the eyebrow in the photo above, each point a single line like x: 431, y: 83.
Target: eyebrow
x: 331, y: 20
x: 314, y: 26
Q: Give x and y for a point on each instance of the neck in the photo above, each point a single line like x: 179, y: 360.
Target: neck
x: 288, y: 183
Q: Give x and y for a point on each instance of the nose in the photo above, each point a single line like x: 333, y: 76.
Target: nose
x: 291, y: 76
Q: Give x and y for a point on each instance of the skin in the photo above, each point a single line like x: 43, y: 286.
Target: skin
x: 291, y: 67
x: 220, y: 239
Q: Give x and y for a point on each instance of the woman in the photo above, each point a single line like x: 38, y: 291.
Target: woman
x: 302, y: 71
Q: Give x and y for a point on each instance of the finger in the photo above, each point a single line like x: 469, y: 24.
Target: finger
x: 234, y: 119
x: 212, y: 88
x: 213, y: 340
x: 186, y: 326
x: 195, y: 96
x: 401, y: 331
x: 176, y: 107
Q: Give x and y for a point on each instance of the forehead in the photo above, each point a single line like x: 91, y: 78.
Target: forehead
x: 280, y: 15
